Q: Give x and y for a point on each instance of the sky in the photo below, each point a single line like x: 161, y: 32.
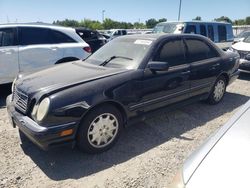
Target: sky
x: 12, y: 11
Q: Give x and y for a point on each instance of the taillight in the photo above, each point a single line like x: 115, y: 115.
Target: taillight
x: 87, y: 49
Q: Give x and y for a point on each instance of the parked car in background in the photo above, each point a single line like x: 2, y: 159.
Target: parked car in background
x: 31, y: 47
x: 244, y: 34
x: 219, y: 32
x: 223, y: 160
x: 93, y: 38
x: 90, y: 102
x: 243, y: 48
x: 113, y: 33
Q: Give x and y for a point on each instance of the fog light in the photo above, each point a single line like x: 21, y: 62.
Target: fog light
x: 66, y: 132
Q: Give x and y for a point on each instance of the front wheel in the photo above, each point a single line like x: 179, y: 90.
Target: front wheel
x: 218, y: 91
x: 100, y: 129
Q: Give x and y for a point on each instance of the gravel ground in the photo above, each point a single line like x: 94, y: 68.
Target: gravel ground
x: 148, y: 154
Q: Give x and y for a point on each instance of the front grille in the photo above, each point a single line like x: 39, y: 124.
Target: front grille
x: 20, y: 100
x: 243, y: 54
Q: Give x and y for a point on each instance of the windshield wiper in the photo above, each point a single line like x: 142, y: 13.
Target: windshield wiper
x: 113, y: 57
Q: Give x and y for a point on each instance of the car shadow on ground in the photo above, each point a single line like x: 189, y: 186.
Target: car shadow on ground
x: 158, y: 128
x: 5, y: 90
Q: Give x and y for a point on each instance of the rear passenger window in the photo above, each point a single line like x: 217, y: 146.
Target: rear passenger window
x: 29, y: 36
x: 210, y: 30
x: 203, y: 30
x: 199, y: 50
x: 222, y: 32
x: 172, y: 52
x: 191, y: 29
x: 7, y: 37
x: 59, y: 37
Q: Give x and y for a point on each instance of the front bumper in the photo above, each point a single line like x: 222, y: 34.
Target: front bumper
x: 44, y: 137
x: 244, y: 65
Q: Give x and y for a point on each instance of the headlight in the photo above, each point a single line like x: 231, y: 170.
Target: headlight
x: 42, y: 109
x: 13, y: 85
x: 178, y: 181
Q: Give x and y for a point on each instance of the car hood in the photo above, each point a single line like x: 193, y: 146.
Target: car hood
x: 227, y: 163
x: 242, y: 46
x: 64, y: 76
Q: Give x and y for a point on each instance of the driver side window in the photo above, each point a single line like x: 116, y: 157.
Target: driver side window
x: 172, y: 52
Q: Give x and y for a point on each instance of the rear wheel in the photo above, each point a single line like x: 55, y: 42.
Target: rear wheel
x: 100, y: 129
x: 218, y: 91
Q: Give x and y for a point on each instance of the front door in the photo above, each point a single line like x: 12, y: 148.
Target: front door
x: 8, y: 55
x: 161, y: 88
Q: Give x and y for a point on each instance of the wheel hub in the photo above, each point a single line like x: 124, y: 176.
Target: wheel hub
x: 102, y: 130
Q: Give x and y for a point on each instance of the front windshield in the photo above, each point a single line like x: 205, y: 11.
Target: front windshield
x: 247, y: 40
x: 129, y: 53
x: 165, y: 28
x: 244, y: 34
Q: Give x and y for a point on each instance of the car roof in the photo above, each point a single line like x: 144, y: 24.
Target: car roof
x: 156, y: 36
x: 35, y: 24
x: 195, y: 21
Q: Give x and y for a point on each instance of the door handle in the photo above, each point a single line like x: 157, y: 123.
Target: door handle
x: 54, y: 48
x: 216, y: 65
x: 185, y: 72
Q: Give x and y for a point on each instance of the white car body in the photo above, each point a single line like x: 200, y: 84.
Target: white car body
x: 18, y: 58
x: 243, y: 48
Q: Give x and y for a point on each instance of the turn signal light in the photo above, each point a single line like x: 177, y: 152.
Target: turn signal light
x: 66, y: 132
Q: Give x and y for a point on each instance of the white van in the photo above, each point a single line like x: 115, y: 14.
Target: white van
x: 219, y: 32
x: 31, y: 47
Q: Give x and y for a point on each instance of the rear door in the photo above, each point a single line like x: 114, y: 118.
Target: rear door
x: 161, y: 88
x: 8, y: 55
x: 205, y: 65
x: 36, y: 50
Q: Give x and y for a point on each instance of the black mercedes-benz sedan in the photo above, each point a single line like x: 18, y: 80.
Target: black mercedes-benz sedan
x: 88, y: 103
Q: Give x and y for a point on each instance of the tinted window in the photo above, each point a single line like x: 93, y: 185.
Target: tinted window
x: 199, y: 50
x: 210, y: 30
x: 29, y: 36
x: 59, y: 37
x: 191, y: 29
x: 124, y: 32
x: 172, y: 52
x: 7, y: 37
x: 86, y: 34
x: 203, y: 30
x: 222, y: 32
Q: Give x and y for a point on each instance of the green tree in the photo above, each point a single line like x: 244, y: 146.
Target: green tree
x: 239, y: 22
x: 247, y: 22
x: 151, y: 23
x: 224, y: 19
x: 67, y: 23
x: 92, y: 24
x: 197, y: 18
x: 162, y: 20
x: 139, y: 25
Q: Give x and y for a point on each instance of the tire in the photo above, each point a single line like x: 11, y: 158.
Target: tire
x: 100, y: 129
x: 218, y: 91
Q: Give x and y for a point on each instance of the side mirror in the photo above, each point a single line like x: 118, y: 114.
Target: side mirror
x: 158, y: 66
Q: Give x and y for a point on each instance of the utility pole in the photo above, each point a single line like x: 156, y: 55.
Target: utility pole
x: 103, y: 11
x: 179, y: 15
